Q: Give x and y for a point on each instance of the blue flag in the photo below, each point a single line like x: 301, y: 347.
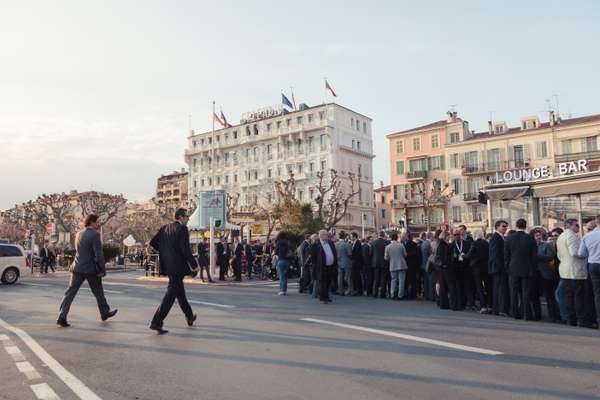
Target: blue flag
x: 285, y: 101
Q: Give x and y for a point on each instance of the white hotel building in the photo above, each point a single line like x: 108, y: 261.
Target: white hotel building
x: 270, y: 143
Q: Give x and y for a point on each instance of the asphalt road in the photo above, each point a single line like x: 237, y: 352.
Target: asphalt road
x: 249, y: 343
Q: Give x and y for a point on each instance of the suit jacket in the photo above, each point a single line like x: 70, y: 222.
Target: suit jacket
x: 173, y: 244
x: 425, y: 253
x: 545, y: 255
x: 318, y: 256
x: 496, y: 254
x: 413, y: 255
x: 45, y: 254
x: 571, y: 266
x: 357, y: 255
x: 395, y: 252
x: 379, y: 246
x: 344, y: 254
x: 89, y: 258
x: 520, y: 254
x: 478, y: 255
x: 367, y: 254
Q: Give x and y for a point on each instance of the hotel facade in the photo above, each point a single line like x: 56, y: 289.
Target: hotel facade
x: 270, y: 144
x: 509, y: 166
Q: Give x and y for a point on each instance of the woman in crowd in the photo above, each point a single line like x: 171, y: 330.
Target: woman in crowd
x: 441, y: 264
x: 544, y: 278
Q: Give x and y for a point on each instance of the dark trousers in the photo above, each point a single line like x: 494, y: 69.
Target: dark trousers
x: 369, y: 278
x: 500, y: 293
x: 520, y: 297
x: 468, y: 286
x: 305, y: 279
x: 238, y: 269
x: 44, y: 266
x: 327, y: 276
x: 442, y: 282
x: 574, y: 298
x: 594, y: 272
x: 75, y: 283
x: 175, y: 290
x: 222, y: 269
x: 411, y: 283
x: 207, y: 269
x: 454, y: 288
x: 535, y: 292
x: 357, y: 284
x: 548, y: 289
x: 479, y: 278
x: 380, y: 282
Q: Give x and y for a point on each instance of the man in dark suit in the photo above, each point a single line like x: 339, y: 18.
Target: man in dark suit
x: 223, y: 255
x: 45, y: 259
x: 497, y: 270
x: 381, y: 270
x: 520, y: 259
x: 325, y: 259
x: 249, y: 252
x: 357, y: 265
x: 176, y: 261
x: 303, y: 253
x: 368, y: 274
x: 88, y: 265
x: 238, y: 251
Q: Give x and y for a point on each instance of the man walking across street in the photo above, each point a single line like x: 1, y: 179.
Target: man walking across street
x: 89, y: 266
x: 520, y: 259
x: 45, y: 259
x: 176, y: 261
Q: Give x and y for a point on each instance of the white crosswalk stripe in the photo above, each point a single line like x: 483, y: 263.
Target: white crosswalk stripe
x: 44, y: 392
x: 26, y: 368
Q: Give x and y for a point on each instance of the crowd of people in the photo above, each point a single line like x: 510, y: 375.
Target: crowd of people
x: 506, y: 273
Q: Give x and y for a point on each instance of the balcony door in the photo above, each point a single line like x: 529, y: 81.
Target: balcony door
x: 494, y: 160
x: 519, y: 156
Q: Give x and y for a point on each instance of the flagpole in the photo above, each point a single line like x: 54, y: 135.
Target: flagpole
x: 293, y: 98
x: 325, y: 88
x: 212, y: 149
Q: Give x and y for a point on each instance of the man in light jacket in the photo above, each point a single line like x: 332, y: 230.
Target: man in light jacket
x: 395, y: 253
x: 425, y: 253
x: 344, y: 253
x: 573, y: 271
x: 88, y: 265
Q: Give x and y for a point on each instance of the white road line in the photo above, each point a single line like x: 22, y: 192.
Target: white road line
x: 15, y: 353
x: 105, y: 290
x: 44, y: 392
x: 4, y: 338
x: 408, y: 337
x: 78, y: 387
x: 129, y: 284
x: 211, y: 304
x: 35, y: 284
x: 26, y: 368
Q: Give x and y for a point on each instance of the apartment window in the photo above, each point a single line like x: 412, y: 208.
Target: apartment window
x: 202, y: 182
x: 499, y: 129
x: 278, y: 171
x: 416, y: 142
x: 278, y: 123
x: 255, y: 152
x: 400, y: 167
x: 195, y: 162
x: 235, y: 179
x: 456, y: 214
x: 436, y: 163
x: 383, y: 213
x: 589, y: 143
x: 311, y: 167
x: 247, y: 131
x: 454, y: 137
x: 202, y: 142
x: 218, y: 180
x: 299, y: 168
x: 353, y: 144
x: 194, y: 143
x: 364, y: 127
x: 323, y: 165
x: 289, y: 168
x: 255, y: 127
x: 269, y: 147
x: 310, y: 118
x: 519, y: 156
x: 541, y: 149
x: 456, y: 185
x: 209, y: 140
x: 300, y: 194
x: 566, y: 146
x: 299, y: 120
x: 269, y: 173
x: 399, y: 146
x: 494, y: 159
x: 269, y: 127
x: 235, y: 134
x: 210, y: 181
x: 358, y: 145
x: 218, y: 138
x: 247, y: 153
x: 226, y: 178
x: 435, y: 141
x: 399, y: 192
x: 359, y: 170
x: 226, y: 157
x: 288, y: 122
x: 321, y: 115
x: 417, y: 165
x: 358, y: 125
x: 352, y: 122
x: 195, y: 184
x: 311, y: 143
x: 311, y: 193
x: 255, y: 175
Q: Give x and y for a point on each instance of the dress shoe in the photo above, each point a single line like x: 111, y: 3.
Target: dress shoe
x: 190, y: 321
x: 63, y: 323
x: 109, y: 314
x: 159, y: 330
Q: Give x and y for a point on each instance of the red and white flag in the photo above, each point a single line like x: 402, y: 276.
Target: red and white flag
x: 217, y: 119
x: 328, y: 87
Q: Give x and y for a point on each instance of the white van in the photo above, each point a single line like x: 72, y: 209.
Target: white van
x: 13, y: 262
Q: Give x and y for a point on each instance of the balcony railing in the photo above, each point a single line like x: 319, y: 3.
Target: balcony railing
x: 471, y: 196
x: 416, y: 175
x: 584, y: 155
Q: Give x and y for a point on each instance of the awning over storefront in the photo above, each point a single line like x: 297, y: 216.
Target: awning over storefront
x: 573, y: 185
x: 508, y: 193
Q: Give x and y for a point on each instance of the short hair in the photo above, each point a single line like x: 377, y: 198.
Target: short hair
x: 342, y: 235
x: 381, y: 234
x: 423, y: 235
x: 354, y: 235
x: 394, y: 236
x: 180, y: 212
x: 558, y: 230
x: 500, y: 222
x: 463, y: 227
x: 90, y: 219
x: 521, y: 223
x: 369, y: 237
x: 314, y: 237
x: 570, y: 222
x: 437, y: 233
x: 478, y: 234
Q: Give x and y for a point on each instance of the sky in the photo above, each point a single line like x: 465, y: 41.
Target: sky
x: 98, y: 94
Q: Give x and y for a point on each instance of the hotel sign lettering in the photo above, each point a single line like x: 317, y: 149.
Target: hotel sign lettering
x: 541, y: 172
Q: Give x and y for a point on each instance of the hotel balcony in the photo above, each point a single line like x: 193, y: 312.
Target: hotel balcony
x: 492, y: 167
x: 471, y: 197
x: 584, y: 155
x: 416, y: 175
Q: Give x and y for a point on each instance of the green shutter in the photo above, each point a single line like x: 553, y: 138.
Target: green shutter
x: 400, y: 167
x: 428, y: 163
x: 442, y: 167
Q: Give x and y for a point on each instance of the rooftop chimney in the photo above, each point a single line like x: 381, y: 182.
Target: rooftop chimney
x: 553, y: 120
x: 450, y: 117
x: 490, y: 128
x: 380, y: 183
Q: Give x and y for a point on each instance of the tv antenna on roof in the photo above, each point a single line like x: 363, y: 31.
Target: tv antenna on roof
x: 452, y: 107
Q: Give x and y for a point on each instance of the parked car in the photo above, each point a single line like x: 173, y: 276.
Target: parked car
x: 13, y: 263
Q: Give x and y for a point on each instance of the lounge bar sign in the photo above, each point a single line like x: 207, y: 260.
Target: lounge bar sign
x: 541, y: 172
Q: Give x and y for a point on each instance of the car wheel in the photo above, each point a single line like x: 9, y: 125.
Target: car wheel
x: 10, y: 275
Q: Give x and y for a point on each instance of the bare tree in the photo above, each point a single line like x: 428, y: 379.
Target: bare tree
x: 332, y: 199
x: 105, y: 205
x: 62, y: 208
x: 430, y: 197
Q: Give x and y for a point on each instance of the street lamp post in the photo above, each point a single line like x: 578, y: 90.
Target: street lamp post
x: 363, y: 215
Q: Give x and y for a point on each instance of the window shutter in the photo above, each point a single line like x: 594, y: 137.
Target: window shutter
x: 511, y: 153
x: 442, y: 162
x: 428, y: 163
x: 527, y: 152
x: 400, y: 167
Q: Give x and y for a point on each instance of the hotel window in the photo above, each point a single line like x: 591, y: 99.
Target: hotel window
x: 278, y: 123
x: 399, y: 146
x: 400, y: 167
x: 235, y: 134
x: 541, y: 149
x: 288, y: 122
x: 299, y: 120
x: 269, y: 127
x: 454, y: 137
x: 310, y: 118
x: 566, y: 146
x: 589, y: 143
x: 416, y: 142
x: 364, y: 127
x: 435, y: 141
x: 456, y: 185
